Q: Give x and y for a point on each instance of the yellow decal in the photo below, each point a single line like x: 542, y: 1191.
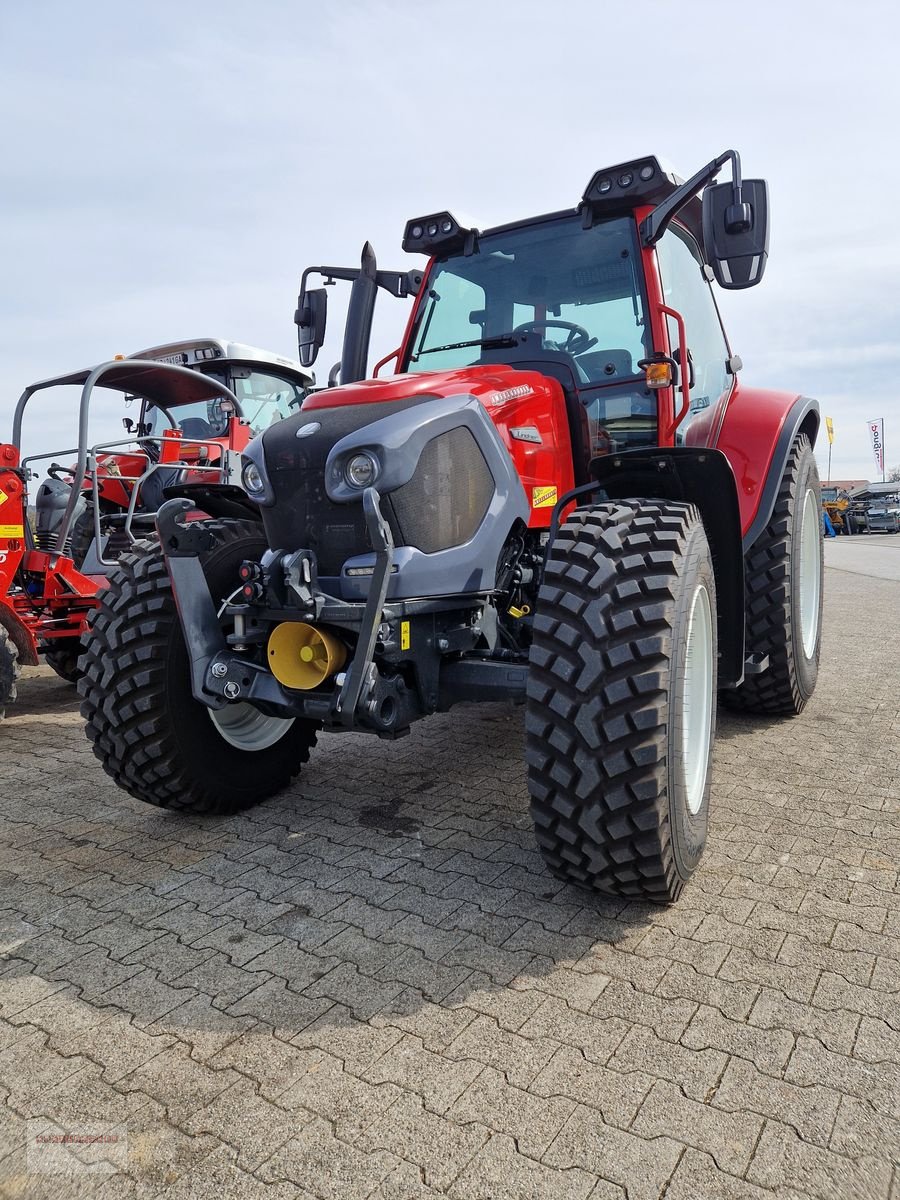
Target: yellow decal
x: 3, y: 496
x: 12, y: 531
x: 543, y: 497
x: 404, y: 635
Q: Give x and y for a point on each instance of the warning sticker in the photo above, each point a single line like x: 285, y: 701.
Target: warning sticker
x: 404, y: 635
x: 3, y: 496
x: 15, y: 531
x: 543, y: 497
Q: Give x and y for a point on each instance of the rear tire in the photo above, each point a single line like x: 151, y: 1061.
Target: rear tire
x: 621, y: 699
x: 151, y: 735
x: 784, y: 588
x: 9, y: 669
x: 64, y: 661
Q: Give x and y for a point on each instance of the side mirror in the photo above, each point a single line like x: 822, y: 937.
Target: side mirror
x: 310, y: 317
x: 736, y: 236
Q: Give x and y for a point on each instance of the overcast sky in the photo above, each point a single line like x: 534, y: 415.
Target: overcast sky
x: 170, y: 168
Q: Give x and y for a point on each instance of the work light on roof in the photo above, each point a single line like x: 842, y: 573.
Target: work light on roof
x: 439, y: 233
x: 643, y: 181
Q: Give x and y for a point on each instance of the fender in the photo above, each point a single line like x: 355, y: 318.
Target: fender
x: 758, y: 430
x: 216, y: 499
x: 20, y: 635
x: 694, y: 475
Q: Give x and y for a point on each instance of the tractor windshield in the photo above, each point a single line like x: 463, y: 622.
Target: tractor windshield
x: 577, y: 288
x: 263, y: 398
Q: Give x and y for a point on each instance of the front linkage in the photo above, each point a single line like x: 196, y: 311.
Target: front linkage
x: 281, y: 591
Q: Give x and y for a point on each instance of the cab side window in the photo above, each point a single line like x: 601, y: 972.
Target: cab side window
x: 686, y: 289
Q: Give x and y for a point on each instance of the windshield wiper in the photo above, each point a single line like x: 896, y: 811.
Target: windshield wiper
x: 491, y: 343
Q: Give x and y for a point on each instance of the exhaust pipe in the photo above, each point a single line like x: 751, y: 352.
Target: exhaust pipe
x: 358, y: 328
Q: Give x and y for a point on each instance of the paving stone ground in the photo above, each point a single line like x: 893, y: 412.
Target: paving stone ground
x: 370, y: 987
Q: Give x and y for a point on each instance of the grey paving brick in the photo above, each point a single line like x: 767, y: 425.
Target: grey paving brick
x: 436, y: 1080
x: 812, y: 1063
x: 782, y: 1158
x: 519, y: 1058
x: 320, y: 1163
x: 696, y: 1071
x: 357, y: 1043
x: 219, y: 1177
x: 437, y: 1145
x: 642, y: 1166
x: 493, y: 1103
x: 499, y: 1169
x: 768, y: 1048
x: 728, y: 1138
x: 835, y: 1029
x: 808, y: 1108
x: 698, y: 1178
x: 617, y: 1095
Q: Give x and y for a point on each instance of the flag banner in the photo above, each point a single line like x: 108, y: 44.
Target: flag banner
x: 829, y: 426
x: 876, y: 431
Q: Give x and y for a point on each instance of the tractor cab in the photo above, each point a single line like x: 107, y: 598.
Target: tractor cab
x: 553, y: 297
x: 611, y: 301
x: 268, y: 387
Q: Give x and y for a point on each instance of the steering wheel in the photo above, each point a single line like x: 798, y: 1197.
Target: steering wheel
x: 577, y: 342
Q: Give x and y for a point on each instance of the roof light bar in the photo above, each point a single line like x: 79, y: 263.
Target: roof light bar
x: 642, y: 181
x: 439, y: 233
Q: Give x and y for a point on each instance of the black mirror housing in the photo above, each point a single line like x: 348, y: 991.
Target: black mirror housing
x: 310, y: 319
x: 736, y: 235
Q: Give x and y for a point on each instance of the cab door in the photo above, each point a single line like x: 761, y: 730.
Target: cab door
x: 686, y: 288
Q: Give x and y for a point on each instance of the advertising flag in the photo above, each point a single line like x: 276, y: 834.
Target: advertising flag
x: 876, y: 431
x: 829, y: 425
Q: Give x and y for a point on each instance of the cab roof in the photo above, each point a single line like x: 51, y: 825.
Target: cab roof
x: 199, y: 352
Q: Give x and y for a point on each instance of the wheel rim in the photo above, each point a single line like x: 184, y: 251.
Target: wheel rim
x: 696, y: 713
x: 243, y: 726
x: 246, y: 728
x: 810, y: 572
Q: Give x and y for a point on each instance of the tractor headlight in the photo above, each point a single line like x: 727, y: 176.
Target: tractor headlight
x: 252, y: 479
x: 361, y: 470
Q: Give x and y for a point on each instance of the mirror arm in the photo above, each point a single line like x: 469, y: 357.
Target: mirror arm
x: 656, y: 224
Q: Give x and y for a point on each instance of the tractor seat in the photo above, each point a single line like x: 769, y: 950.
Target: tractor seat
x: 196, y: 427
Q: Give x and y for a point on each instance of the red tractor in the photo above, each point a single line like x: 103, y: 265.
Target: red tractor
x: 564, y: 497
x: 199, y: 404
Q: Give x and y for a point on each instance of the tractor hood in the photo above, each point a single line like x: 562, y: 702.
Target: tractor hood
x: 493, y: 385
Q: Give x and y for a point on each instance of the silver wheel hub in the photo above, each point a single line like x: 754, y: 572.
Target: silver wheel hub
x: 243, y: 726
x: 810, y: 573
x: 698, y: 699
x: 246, y: 728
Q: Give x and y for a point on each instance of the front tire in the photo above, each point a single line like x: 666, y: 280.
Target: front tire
x: 621, y: 699
x: 151, y: 735
x: 784, y: 590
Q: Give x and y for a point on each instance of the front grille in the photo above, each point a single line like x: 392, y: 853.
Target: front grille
x: 447, y: 498
x: 441, y: 506
x: 303, y: 516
